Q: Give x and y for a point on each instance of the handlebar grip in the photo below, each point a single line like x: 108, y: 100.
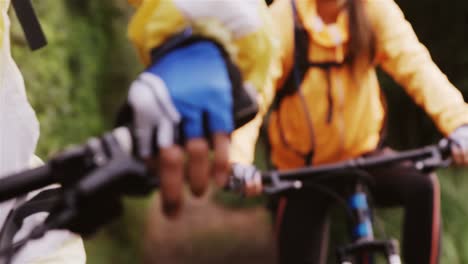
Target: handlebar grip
x: 22, y: 183
x: 444, y: 146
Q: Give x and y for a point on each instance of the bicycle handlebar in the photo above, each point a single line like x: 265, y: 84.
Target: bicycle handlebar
x: 426, y: 158
x: 23, y: 182
x: 437, y: 155
x: 66, y: 168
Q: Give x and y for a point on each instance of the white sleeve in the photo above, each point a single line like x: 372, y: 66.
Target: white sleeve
x: 19, y: 128
x: 19, y: 132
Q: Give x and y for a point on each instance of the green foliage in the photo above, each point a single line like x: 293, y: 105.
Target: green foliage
x: 76, y: 83
x: 454, y: 184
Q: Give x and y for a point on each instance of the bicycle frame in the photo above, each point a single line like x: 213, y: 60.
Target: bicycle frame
x: 364, y: 243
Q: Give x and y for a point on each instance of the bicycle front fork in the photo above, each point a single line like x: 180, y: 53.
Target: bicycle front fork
x: 364, y: 243
x: 389, y: 248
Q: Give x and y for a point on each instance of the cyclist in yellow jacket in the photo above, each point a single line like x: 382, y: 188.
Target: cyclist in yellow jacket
x: 19, y: 131
x: 327, y: 107
x: 196, y: 54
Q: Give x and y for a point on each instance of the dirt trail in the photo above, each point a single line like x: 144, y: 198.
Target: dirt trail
x: 207, y: 233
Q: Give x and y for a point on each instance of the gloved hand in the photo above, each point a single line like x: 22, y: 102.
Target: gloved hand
x: 186, y: 96
x: 459, y: 145
x: 246, y: 179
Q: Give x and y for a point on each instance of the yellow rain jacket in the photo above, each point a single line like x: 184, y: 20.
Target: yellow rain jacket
x: 241, y: 27
x: 302, y: 123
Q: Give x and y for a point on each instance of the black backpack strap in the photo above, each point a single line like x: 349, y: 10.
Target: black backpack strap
x: 300, y: 62
x: 30, y: 23
x: 301, y: 48
x: 295, y: 77
x: 383, y: 133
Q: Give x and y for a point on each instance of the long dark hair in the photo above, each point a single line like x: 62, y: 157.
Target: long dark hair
x: 362, y: 42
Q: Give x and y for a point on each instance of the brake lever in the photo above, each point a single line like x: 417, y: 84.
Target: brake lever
x: 238, y: 179
x: 279, y: 186
x: 440, y: 157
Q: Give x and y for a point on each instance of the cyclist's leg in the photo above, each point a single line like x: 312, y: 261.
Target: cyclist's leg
x: 418, y: 193
x: 301, y: 227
